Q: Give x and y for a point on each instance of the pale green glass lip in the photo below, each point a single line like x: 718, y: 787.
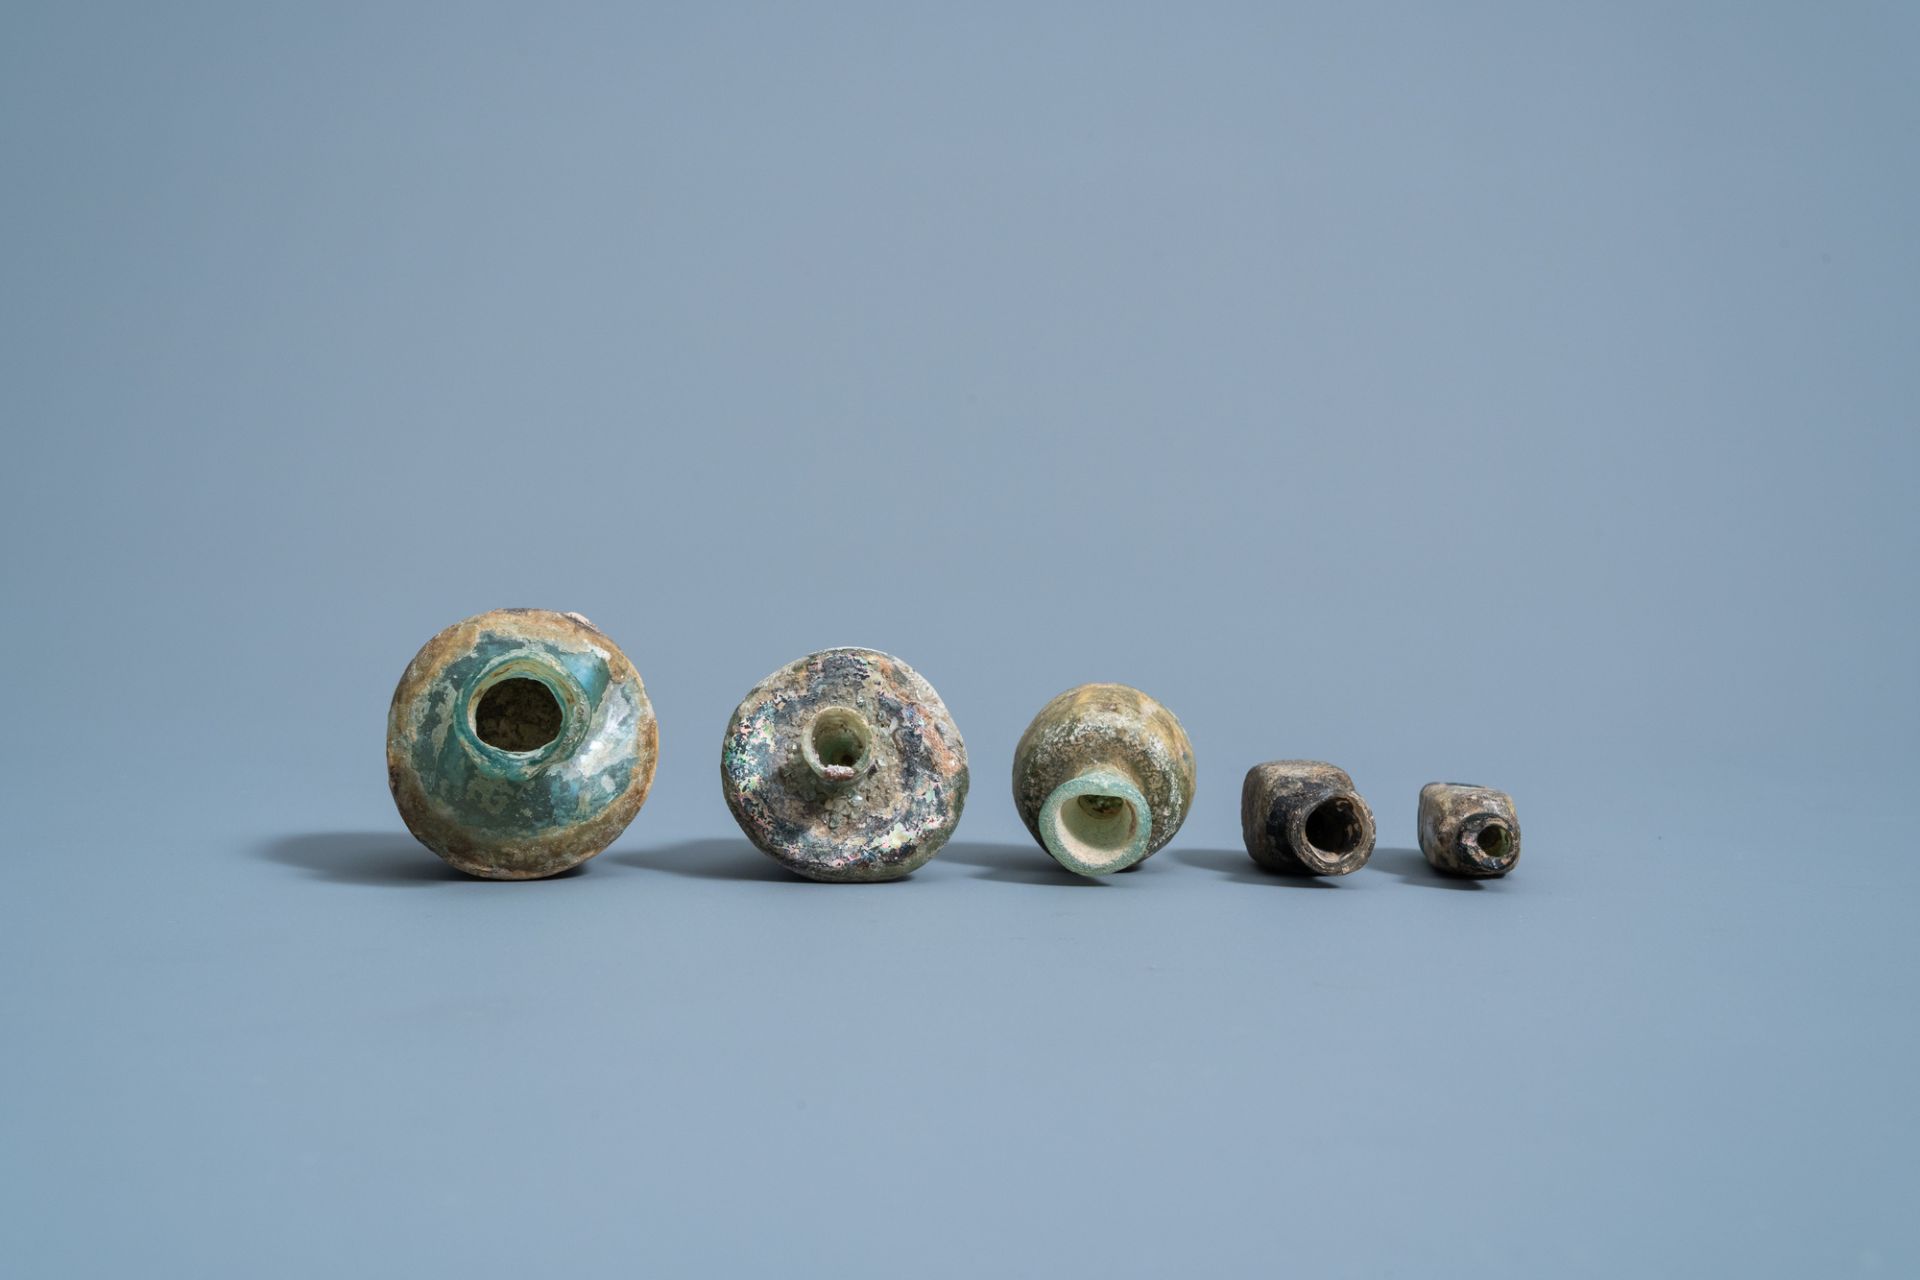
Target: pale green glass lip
x: 1096, y: 845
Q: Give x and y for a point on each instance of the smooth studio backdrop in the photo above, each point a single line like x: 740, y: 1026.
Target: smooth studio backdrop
x: 1490, y: 393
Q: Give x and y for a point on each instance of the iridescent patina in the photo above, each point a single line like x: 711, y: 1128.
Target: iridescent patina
x: 520, y: 743
x: 845, y: 766
x: 1103, y: 778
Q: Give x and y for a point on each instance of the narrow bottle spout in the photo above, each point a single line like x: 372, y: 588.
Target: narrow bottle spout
x: 837, y: 744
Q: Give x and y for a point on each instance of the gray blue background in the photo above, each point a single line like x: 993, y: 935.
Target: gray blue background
x: 1503, y: 393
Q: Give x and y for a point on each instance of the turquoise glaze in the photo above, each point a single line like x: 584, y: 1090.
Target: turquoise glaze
x: 520, y: 743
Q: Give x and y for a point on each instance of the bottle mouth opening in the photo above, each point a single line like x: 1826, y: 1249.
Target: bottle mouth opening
x: 1335, y: 827
x: 1097, y: 828
x: 1096, y: 824
x: 518, y: 714
x: 837, y: 744
x: 1494, y: 841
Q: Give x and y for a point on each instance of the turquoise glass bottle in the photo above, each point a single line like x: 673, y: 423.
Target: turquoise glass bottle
x: 520, y: 743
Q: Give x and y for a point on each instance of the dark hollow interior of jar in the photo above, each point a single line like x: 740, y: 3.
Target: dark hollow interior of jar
x: 1494, y: 840
x: 1334, y: 826
x: 517, y: 715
